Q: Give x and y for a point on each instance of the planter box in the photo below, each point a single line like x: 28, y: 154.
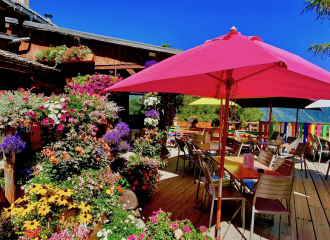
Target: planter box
x: 86, y: 58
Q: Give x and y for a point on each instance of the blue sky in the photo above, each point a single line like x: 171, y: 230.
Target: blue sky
x: 186, y: 24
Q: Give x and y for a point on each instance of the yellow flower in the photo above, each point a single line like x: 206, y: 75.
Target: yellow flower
x: 53, y: 199
x: 108, y: 191
x: 101, y: 186
x: 84, y: 207
x: 22, y: 199
x: 62, y: 201
x: 85, y: 218
x: 27, y: 209
x: 35, y: 188
x: 31, y: 225
x: 42, y: 201
x: 72, y: 205
x: 44, y: 210
x: 7, y: 211
x: 66, y: 192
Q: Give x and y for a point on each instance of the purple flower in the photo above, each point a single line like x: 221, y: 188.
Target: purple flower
x: 149, y: 63
x: 152, y: 114
x: 12, y: 144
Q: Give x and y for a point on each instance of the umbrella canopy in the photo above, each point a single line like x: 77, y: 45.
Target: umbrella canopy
x: 210, y: 101
x: 232, y: 65
x: 319, y: 104
x: 279, y: 102
x: 259, y: 70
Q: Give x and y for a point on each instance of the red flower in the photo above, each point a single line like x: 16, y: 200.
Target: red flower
x: 136, y: 182
x: 42, y: 108
x: 25, y: 99
x: 71, y: 110
x: 60, y: 127
x: 34, y: 116
x: 144, y: 187
x: 65, y: 108
x: 62, y: 118
x: 119, y: 177
x: 28, y: 113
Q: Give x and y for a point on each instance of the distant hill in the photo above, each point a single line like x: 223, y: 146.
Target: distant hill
x: 289, y: 115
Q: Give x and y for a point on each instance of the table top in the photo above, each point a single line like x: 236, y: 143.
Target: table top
x: 189, y: 131
x: 211, y: 146
x: 234, y: 166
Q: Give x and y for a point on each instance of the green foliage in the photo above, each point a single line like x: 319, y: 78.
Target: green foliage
x: 207, y: 113
x: 168, y: 45
x: 7, y: 230
x: 321, y: 7
x: 2, y: 179
x: 322, y: 50
x: 135, y: 106
x: 322, y: 10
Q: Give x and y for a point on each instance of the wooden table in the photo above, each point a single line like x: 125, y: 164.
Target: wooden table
x: 234, y: 166
x: 211, y: 146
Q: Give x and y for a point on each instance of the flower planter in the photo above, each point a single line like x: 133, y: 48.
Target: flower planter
x: 86, y: 58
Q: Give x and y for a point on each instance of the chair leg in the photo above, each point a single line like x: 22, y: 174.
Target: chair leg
x: 184, y: 163
x: 199, y: 183
x: 305, y: 167
x: 252, y: 223
x: 211, y: 215
x: 243, y: 214
x: 206, y: 200
x: 320, y: 157
x: 194, y: 168
x: 204, y: 193
x: 326, y: 176
x: 177, y: 163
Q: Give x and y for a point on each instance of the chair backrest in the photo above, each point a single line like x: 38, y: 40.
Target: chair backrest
x: 207, y: 173
x: 180, y: 145
x: 283, y: 166
x: 237, y: 135
x: 265, y: 158
x: 192, y: 152
x: 301, y: 149
x: 229, y: 142
x: 203, y: 131
x: 274, y: 187
x: 198, y: 137
x: 275, y: 135
x: 317, y: 142
x: 290, y: 140
x: 251, y: 143
x: 295, y: 143
x: 237, y: 146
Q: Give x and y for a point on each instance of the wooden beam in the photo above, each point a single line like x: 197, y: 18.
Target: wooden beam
x: 14, y: 67
x: 105, y: 67
x: 130, y: 71
x: 46, y: 85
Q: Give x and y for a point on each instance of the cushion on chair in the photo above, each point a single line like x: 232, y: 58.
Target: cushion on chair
x: 250, y: 183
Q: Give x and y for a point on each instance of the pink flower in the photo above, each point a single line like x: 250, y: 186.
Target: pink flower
x: 42, y: 108
x: 153, y: 219
x: 131, y: 237
x: 178, y: 233
x: 75, y: 120
x: 186, y: 229
x: 46, y: 99
x: 70, y: 120
x: 34, y: 116
x: 60, y: 127
x: 28, y: 113
x: 67, y: 114
x: 71, y: 110
x: 62, y: 118
x: 25, y: 99
x: 149, y: 238
x: 65, y: 108
x: 203, y: 228
x: 44, y: 122
x: 141, y: 235
x: 50, y: 127
x: 93, y: 134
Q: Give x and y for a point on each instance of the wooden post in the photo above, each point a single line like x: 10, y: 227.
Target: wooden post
x: 296, y: 128
x: 10, y: 180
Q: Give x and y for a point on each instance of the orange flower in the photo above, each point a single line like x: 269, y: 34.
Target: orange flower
x: 120, y: 190
x: 101, y: 140
x: 80, y: 137
x: 53, y: 160
x: 118, y: 177
x: 47, y: 152
x: 81, y: 153
x: 121, y: 197
x: 98, y: 159
x: 78, y: 149
x: 66, y: 156
x: 86, y: 139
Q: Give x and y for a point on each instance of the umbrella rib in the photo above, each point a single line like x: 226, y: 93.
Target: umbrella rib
x: 255, y: 73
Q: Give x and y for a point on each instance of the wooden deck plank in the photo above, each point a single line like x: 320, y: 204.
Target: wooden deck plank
x: 320, y: 223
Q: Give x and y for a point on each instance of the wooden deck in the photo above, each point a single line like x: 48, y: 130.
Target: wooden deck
x: 177, y: 194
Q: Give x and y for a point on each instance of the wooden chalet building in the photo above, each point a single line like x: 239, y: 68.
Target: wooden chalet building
x: 23, y: 33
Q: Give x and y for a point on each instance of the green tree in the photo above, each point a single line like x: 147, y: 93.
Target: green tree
x: 322, y: 9
x: 135, y: 106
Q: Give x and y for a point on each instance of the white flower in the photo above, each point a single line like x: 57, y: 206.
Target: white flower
x: 62, y: 99
x: 99, y: 234
x: 58, y: 106
x: 46, y: 105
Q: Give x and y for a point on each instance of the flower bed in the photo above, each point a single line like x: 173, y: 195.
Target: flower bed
x: 62, y: 54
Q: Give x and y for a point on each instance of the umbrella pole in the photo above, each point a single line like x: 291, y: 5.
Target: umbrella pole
x: 296, y: 128
x: 220, y: 123
x: 221, y: 165
x: 270, y: 118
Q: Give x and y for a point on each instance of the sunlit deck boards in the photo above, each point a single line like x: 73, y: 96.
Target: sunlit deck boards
x: 177, y: 194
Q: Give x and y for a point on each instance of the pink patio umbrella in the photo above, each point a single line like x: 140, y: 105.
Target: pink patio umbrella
x: 232, y: 65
